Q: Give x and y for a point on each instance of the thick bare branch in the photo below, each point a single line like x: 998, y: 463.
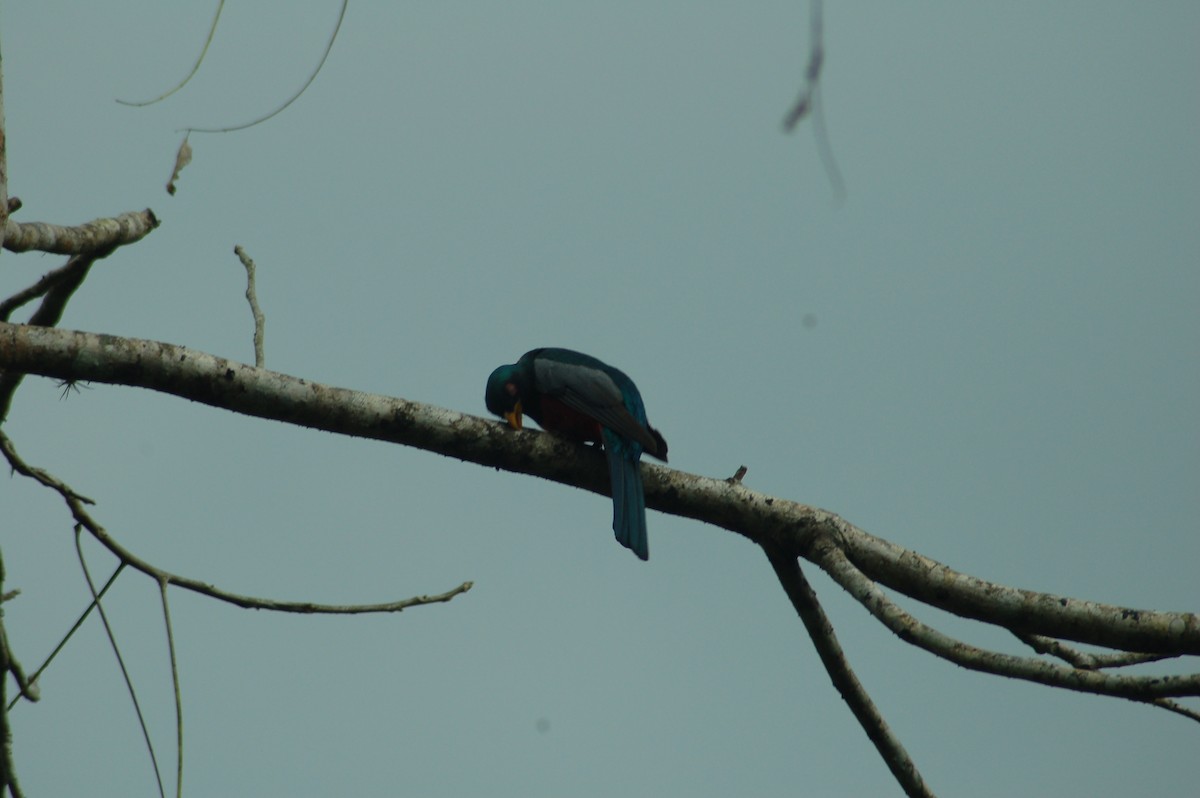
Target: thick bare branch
x: 1023, y: 611
x: 789, y: 525
x: 98, y: 237
x: 58, y: 292
x: 831, y: 558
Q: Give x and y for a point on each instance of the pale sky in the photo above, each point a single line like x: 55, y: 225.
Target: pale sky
x: 1002, y: 376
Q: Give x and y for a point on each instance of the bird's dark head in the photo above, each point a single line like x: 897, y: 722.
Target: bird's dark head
x: 503, y: 395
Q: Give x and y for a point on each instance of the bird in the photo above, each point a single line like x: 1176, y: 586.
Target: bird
x: 581, y: 398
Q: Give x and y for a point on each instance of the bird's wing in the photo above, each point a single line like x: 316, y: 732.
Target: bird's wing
x: 593, y: 393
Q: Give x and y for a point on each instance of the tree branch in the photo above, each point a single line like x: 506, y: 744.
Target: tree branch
x: 84, y: 519
x: 260, y: 321
x: 1023, y: 611
x: 910, y: 630
x: 98, y: 237
x: 764, y: 519
x: 1086, y: 660
x: 804, y: 600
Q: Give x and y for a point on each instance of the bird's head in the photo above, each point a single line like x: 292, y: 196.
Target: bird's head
x: 503, y: 395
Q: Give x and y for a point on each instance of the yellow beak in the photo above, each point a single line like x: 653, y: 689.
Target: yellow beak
x: 514, y: 416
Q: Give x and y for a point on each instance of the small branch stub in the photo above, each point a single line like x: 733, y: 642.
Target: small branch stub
x: 260, y: 321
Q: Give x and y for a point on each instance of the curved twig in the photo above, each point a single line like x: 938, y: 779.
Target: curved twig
x: 84, y: 519
x: 809, y: 102
x: 195, y: 67
x: 294, y: 97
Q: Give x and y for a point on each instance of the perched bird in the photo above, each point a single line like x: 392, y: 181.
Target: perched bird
x: 578, y: 397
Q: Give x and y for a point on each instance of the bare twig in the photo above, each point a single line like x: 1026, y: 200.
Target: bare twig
x: 1176, y: 707
x: 8, y: 664
x: 211, y: 31
x: 70, y: 632
x: 809, y: 100
x: 112, y: 639
x: 84, y: 519
x: 26, y: 688
x: 804, y: 600
x: 5, y: 207
x: 46, y: 282
x: 812, y: 72
x: 294, y: 97
x: 162, y: 589
x: 1085, y: 660
x: 260, y: 321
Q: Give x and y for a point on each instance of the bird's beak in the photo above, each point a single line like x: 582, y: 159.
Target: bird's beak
x: 514, y: 416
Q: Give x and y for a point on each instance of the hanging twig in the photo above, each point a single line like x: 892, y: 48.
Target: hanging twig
x: 294, y: 97
x: 207, y: 41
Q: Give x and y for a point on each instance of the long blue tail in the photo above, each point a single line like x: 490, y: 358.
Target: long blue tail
x: 629, y: 497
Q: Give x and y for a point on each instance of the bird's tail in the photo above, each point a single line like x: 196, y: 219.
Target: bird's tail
x: 629, y: 503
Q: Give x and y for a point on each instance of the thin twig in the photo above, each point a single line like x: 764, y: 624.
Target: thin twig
x: 5, y: 208
x: 1085, y: 660
x: 44, y: 284
x: 812, y: 72
x: 83, y: 518
x: 1176, y: 707
x: 804, y: 600
x: 162, y: 589
x: 112, y: 639
x: 809, y: 102
x: 294, y: 97
x: 260, y: 321
x: 70, y: 632
x: 211, y: 32
x: 8, y: 664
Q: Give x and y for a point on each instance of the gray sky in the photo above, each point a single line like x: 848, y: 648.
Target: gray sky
x: 1002, y: 376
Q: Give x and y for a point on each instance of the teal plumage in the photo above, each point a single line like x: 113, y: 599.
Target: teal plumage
x: 578, y: 397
